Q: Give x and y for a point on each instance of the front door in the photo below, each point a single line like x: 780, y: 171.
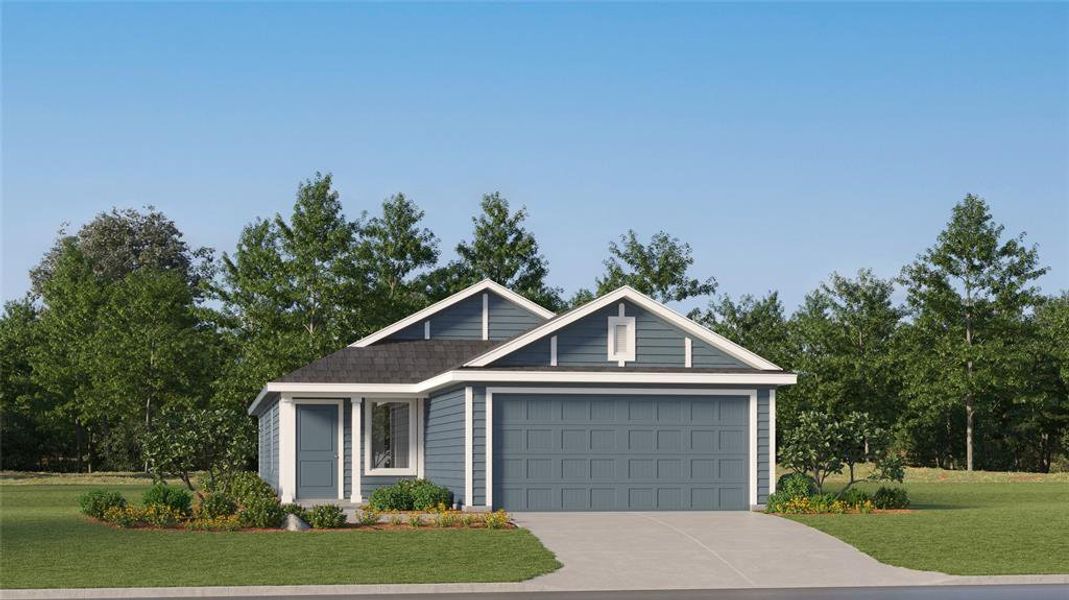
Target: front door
x: 317, y: 451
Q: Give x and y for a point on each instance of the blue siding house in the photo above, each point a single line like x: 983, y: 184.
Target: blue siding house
x: 620, y: 404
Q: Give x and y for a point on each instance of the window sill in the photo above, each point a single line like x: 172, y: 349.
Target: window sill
x: 388, y: 472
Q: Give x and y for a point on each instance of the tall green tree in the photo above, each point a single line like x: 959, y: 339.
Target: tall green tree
x: 966, y: 295
x: 757, y: 324
x: 294, y: 290
x: 1038, y: 419
x: 844, y: 338
x: 398, y: 253
x: 504, y: 250
x: 659, y: 269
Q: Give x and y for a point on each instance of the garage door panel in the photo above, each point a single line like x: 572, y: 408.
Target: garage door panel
x: 633, y: 452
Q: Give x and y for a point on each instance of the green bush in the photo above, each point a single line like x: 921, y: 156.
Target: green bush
x: 796, y: 485
x: 247, y: 487
x: 326, y: 516
x: 262, y: 513
x: 124, y: 516
x: 777, y: 502
x: 176, y: 498
x: 498, y: 519
x: 855, y: 497
x: 890, y: 498
x: 409, y: 494
x: 295, y: 509
x: 159, y: 515
x: 94, y: 503
x: 426, y: 495
x: 216, y: 505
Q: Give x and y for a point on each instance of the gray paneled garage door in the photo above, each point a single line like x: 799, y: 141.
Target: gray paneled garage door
x: 625, y: 452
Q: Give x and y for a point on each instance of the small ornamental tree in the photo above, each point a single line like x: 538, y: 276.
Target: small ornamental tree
x: 820, y: 445
x: 187, y: 440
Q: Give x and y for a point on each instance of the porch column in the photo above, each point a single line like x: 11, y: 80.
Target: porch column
x: 355, y: 494
x: 287, y: 448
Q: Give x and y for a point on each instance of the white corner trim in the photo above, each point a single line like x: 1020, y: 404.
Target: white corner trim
x: 486, y: 316
x: 688, y: 326
x: 489, y: 450
x: 688, y: 353
x: 553, y: 351
x: 484, y: 285
x: 413, y: 440
x: 340, y: 455
x: 419, y: 438
x: 753, y: 449
x: 356, y: 494
x: 469, y: 443
x: 287, y: 448
x: 772, y: 441
x: 427, y: 329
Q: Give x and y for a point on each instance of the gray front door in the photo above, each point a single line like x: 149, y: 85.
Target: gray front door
x: 620, y: 452
x: 317, y: 451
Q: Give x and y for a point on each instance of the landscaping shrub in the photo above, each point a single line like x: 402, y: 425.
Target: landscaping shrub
x: 855, y: 497
x: 295, y: 509
x: 95, y: 503
x: 796, y: 485
x: 396, y: 519
x: 176, y: 498
x: 124, y: 516
x: 223, y: 523
x: 368, y: 517
x: 446, y: 518
x: 216, y: 505
x: 326, y: 516
x: 498, y: 519
x: 246, y: 487
x: 159, y: 515
x: 426, y: 495
x: 890, y: 498
x: 469, y: 520
x: 263, y: 513
x: 408, y: 494
x: 415, y: 520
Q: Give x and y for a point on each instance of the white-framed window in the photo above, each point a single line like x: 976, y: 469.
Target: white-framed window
x: 390, y: 436
x: 621, y: 339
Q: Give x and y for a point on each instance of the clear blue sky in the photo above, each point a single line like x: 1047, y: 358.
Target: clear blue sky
x: 783, y: 142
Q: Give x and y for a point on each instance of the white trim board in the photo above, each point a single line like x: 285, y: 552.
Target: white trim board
x: 643, y: 301
x: 772, y: 441
x: 356, y: 494
x: 490, y: 391
x: 422, y: 315
x: 473, y: 376
x: 414, y: 443
x: 469, y: 444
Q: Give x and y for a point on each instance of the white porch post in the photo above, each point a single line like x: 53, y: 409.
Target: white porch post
x: 287, y: 448
x: 357, y: 435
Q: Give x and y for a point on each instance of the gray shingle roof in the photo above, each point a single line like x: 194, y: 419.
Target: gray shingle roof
x: 393, y: 362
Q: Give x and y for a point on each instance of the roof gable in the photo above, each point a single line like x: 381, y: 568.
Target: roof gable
x: 661, y: 333
x: 485, y: 310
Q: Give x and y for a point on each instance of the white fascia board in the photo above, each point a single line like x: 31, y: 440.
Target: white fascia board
x: 627, y: 293
x: 482, y: 286
x: 259, y: 398
x: 409, y: 390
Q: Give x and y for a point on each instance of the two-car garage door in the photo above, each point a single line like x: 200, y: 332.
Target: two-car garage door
x: 620, y: 452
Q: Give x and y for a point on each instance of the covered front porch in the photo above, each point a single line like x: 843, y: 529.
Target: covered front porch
x: 340, y: 448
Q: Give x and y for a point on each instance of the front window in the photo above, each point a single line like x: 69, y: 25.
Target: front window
x: 390, y: 431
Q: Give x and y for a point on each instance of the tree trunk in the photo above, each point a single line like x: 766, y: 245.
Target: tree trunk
x: 969, y: 410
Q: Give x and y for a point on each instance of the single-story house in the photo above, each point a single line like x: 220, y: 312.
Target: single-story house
x: 619, y: 404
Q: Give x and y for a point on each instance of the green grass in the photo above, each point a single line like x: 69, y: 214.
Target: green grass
x: 46, y: 543
x: 966, y: 524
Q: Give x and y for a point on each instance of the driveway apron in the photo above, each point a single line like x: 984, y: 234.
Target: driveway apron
x: 666, y: 550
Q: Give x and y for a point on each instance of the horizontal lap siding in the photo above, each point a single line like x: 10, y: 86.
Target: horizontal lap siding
x: 461, y: 321
x: 443, y: 461
x: 535, y: 354
x: 584, y: 343
x: 268, y: 445
x: 414, y: 331
x: 507, y: 320
x: 657, y: 344
x: 704, y: 356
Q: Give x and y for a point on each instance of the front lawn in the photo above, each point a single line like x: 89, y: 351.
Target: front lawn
x: 966, y: 524
x: 46, y: 543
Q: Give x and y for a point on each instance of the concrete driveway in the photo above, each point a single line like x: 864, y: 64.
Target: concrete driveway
x: 665, y: 550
